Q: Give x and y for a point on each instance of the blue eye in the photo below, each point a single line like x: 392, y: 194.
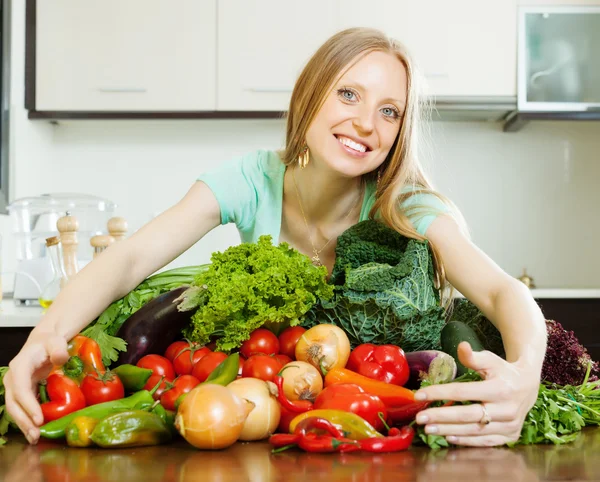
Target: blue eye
x: 347, y: 94
x: 390, y: 112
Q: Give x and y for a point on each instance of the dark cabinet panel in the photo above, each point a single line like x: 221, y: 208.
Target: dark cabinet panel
x: 11, y: 341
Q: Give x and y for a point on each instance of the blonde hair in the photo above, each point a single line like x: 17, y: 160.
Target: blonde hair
x: 401, y: 167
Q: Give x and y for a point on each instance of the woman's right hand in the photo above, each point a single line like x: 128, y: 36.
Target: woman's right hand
x: 31, y: 365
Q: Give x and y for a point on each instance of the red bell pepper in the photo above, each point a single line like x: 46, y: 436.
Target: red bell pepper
x: 386, y: 363
x: 352, y: 398
x: 65, y: 397
x: 391, y: 395
x: 84, y: 357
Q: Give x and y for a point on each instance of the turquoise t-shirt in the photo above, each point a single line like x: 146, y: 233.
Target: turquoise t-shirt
x: 249, y: 191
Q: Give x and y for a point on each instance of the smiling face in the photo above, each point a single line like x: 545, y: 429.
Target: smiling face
x: 355, y: 129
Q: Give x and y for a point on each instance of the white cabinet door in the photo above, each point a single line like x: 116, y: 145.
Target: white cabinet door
x: 126, y: 55
x: 463, y: 47
x: 263, y: 46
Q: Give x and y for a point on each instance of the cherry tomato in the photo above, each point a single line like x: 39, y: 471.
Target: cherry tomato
x: 184, y: 362
x: 181, y: 385
x: 260, y: 341
x: 283, y: 359
x: 261, y: 366
x: 158, y: 364
x: 153, y: 381
x: 207, y: 364
x: 288, y: 339
x: 104, y: 387
x: 174, y: 348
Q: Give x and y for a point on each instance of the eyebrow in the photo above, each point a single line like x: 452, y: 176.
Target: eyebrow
x: 401, y: 103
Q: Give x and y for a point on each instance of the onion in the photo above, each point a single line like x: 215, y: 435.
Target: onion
x: 324, y: 346
x: 212, y: 416
x: 301, y: 381
x: 264, y: 419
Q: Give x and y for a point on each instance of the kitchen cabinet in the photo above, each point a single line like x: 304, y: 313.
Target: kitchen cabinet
x: 137, y: 55
x: 464, y: 48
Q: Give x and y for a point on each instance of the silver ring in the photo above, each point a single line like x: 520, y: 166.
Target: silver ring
x: 485, y: 419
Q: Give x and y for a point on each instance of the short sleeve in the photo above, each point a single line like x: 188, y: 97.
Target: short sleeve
x: 235, y: 184
x: 422, y: 209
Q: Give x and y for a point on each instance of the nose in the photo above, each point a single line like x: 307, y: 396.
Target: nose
x: 364, y: 121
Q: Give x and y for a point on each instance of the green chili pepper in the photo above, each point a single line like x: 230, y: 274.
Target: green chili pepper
x: 134, y: 428
x: 166, y: 416
x: 79, y: 430
x: 224, y: 374
x: 56, y: 428
x: 133, y: 378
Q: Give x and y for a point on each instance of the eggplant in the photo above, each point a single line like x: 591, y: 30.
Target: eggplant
x: 153, y: 327
x: 432, y: 365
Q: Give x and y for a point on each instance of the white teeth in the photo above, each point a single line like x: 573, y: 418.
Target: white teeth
x: 353, y: 145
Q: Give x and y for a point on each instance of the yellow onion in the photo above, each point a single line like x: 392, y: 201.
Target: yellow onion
x: 324, y: 346
x: 264, y: 419
x: 212, y: 416
x: 301, y: 381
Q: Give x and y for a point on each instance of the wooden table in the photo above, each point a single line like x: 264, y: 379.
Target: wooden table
x: 254, y: 462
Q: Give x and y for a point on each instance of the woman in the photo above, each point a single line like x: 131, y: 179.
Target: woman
x: 350, y: 153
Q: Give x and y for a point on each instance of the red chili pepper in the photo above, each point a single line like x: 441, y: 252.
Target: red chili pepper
x: 405, y: 414
x: 397, y: 440
x: 278, y: 440
x: 386, y: 363
x: 325, y: 443
x: 298, y: 406
x: 317, y: 423
x: 352, y: 398
x: 65, y: 397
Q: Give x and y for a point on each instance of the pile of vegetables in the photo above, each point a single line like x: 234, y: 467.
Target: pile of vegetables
x: 274, y: 351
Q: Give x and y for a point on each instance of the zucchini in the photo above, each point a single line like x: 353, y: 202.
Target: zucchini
x: 455, y: 332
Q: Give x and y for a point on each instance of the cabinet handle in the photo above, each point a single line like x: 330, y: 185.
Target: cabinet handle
x: 123, y: 90
x: 270, y: 90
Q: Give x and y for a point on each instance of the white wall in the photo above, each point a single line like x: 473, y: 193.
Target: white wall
x: 530, y: 197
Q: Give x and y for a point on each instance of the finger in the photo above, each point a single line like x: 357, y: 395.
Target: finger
x: 23, y: 391
x: 56, y: 347
x: 480, y: 361
x: 479, y: 440
x: 483, y: 391
x: 466, y: 429
x: 464, y: 414
x: 21, y: 418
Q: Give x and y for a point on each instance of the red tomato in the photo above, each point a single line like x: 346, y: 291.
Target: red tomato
x: 181, y: 385
x: 174, y: 348
x: 242, y: 361
x: 185, y: 361
x: 153, y: 381
x: 102, y: 388
x: 262, y: 367
x: 158, y: 364
x: 260, y: 341
x: 283, y: 359
x: 207, y: 364
x: 288, y: 339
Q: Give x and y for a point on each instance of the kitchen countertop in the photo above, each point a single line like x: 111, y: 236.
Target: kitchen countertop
x: 29, y: 316
x: 254, y: 462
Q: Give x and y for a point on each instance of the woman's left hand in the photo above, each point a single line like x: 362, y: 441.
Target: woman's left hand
x: 507, y: 393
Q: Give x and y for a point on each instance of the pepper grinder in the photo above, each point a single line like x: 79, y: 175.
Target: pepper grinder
x: 526, y: 279
x: 68, y: 227
x: 101, y: 242
x: 117, y: 227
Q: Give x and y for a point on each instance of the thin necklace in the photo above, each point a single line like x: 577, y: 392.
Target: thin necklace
x: 316, y: 259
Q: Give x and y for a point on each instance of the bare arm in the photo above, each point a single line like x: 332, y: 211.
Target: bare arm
x: 505, y: 301
x: 122, y: 267
x: 114, y: 273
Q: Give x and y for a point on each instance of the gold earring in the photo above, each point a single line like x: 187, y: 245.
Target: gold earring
x: 378, y: 177
x: 303, y: 158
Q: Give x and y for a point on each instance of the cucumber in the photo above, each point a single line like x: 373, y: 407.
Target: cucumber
x: 455, y: 332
